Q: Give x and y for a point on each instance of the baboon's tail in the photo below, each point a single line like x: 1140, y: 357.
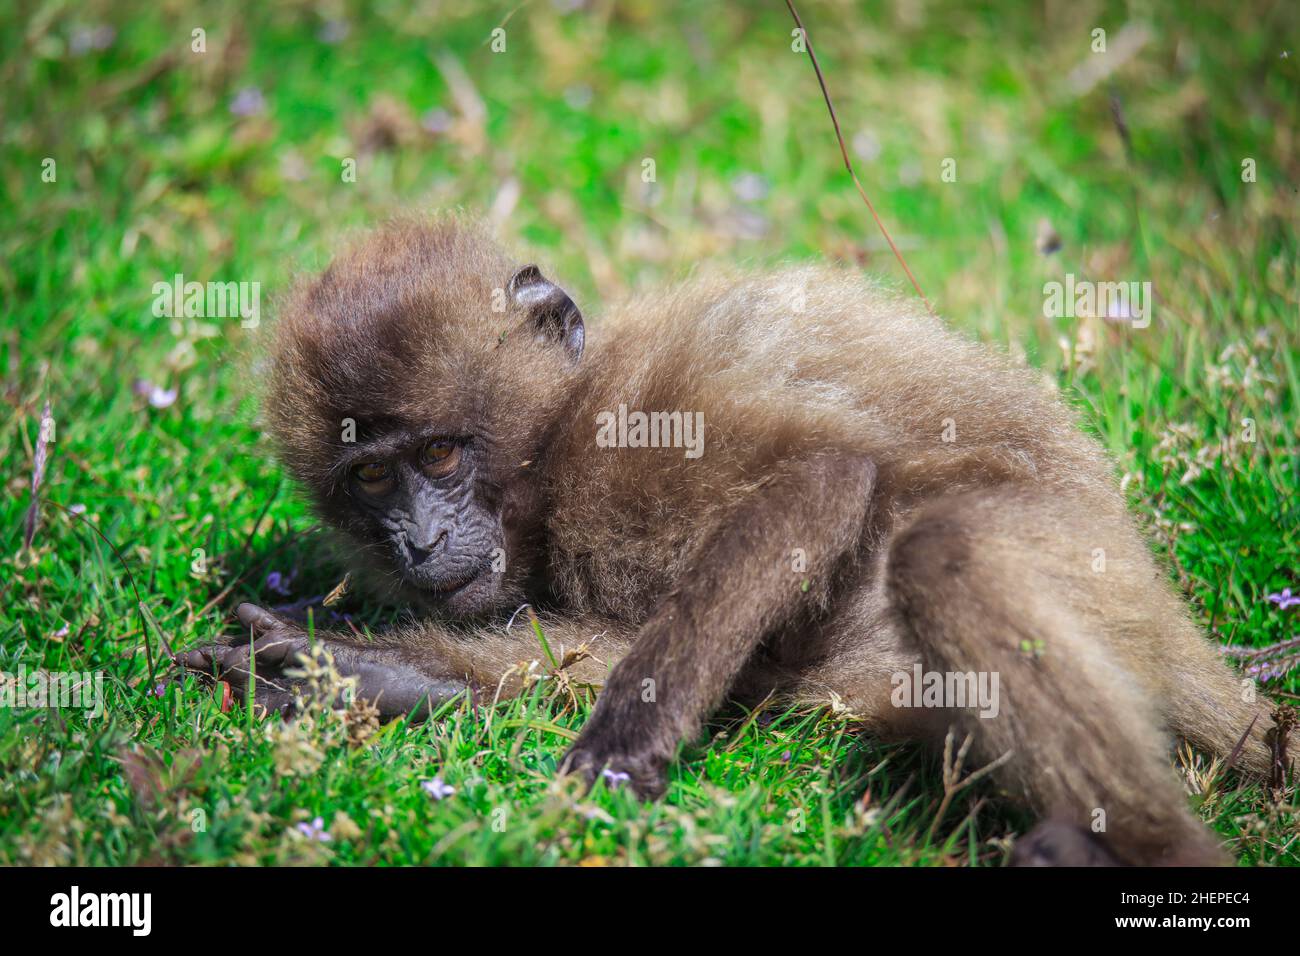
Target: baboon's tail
x: 1219, y: 711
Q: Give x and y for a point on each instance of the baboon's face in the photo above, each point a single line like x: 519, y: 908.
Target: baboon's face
x: 418, y: 500
x: 412, y: 386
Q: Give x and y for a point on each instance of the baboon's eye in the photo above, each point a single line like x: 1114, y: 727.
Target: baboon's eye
x: 440, y: 457
x: 371, y: 472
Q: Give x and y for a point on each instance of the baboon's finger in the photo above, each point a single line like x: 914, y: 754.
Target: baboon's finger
x: 218, y: 658
x: 275, y: 649
x: 250, y: 615
x: 199, y: 659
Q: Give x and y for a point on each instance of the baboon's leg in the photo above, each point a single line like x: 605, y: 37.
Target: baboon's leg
x: 1000, y: 581
x: 737, y: 588
x: 863, y: 648
x: 412, y: 669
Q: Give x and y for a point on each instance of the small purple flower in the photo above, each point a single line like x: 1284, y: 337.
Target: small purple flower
x: 1285, y: 599
x: 436, y: 121
x: 437, y: 789
x: 1273, y: 670
x: 1268, y: 663
x: 162, y: 397
x: 866, y: 145
x: 749, y: 187
x: 159, y: 690
x: 315, y: 830
x: 248, y: 102
x: 579, y: 96
x: 614, y: 777
x: 157, y: 396
x: 1119, y: 310
x: 87, y: 39
x: 333, y: 31
x: 279, y: 583
x: 785, y: 757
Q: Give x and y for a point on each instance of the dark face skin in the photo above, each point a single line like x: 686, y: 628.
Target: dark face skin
x: 420, y: 495
x: 416, y: 497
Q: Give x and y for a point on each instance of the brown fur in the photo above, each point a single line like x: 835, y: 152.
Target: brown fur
x: 825, y: 402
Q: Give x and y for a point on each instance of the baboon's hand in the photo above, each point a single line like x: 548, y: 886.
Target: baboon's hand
x: 275, y: 648
x: 1054, y: 843
x: 383, y: 677
x: 599, y: 752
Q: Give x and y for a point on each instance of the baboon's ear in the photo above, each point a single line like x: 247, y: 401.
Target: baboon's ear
x: 551, y: 313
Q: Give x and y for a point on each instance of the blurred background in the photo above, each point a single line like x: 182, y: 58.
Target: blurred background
x: 1005, y: 145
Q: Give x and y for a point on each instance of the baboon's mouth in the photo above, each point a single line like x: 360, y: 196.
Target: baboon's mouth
x: 449, y: 586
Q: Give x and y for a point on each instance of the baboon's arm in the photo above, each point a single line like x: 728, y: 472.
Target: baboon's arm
x: 740, y: 585
x: 414, y: 669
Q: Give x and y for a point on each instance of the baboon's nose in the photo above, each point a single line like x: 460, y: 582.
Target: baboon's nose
x: 420, y: 552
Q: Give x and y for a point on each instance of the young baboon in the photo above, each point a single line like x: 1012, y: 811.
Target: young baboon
x: 790, y: 482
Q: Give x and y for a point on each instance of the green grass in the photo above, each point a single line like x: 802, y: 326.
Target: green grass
x: 156, y: 176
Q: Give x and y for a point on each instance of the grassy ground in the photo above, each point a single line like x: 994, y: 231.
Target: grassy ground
x: 157, y: 174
